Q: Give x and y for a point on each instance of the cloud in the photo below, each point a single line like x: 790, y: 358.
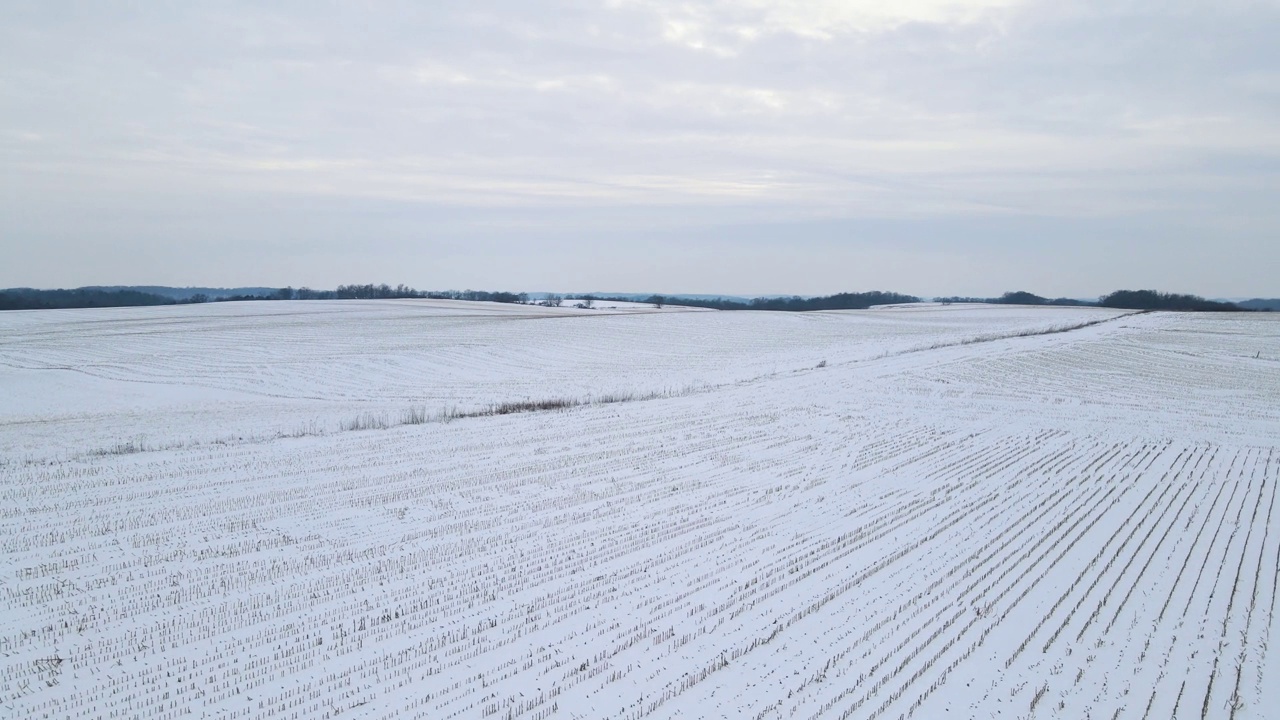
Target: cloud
x: 774, y: 111
x: 695, y: 24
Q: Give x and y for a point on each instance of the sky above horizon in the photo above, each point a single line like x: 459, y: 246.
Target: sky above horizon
x: 751, y: 147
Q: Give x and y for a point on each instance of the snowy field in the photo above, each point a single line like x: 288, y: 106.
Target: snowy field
x: 938, y: 511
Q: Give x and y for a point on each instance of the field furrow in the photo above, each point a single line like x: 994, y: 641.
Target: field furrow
x: 951, y: 517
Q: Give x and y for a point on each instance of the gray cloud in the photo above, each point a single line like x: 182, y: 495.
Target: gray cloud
x: 735, y: 147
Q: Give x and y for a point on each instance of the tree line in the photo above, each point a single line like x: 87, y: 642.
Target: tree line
x: 794, y: 303
x: 30, y: 299
x: 1121, y: 299
x: 33, y: 299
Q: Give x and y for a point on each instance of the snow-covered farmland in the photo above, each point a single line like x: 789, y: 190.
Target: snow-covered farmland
x: 955, y: 515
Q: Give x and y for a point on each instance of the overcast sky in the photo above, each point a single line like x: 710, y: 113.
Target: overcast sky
x: 745, y: 147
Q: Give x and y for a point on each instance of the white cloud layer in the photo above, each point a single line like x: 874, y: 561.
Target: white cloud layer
x: 226, y: 143
x: 748, y: 20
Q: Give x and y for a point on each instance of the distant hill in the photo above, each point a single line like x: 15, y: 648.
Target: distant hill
x: 1260, y: 304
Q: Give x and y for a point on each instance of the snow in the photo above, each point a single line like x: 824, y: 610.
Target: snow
x: 961, y: 514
